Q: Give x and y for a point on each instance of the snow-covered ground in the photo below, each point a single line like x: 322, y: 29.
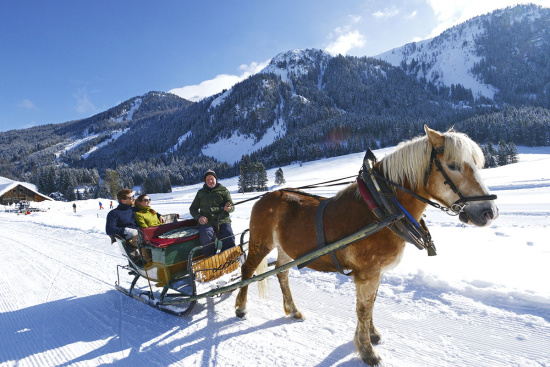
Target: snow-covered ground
x: 483, y: 301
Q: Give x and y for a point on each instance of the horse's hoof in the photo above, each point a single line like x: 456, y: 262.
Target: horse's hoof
x: 375, y: 338
x: 240, y: 313
x: 298, y: 316
x: 372, y: 361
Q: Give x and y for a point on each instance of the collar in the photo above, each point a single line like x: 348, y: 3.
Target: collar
x: 213, y: 188
x: 124, y: 206
x: 143, y: 208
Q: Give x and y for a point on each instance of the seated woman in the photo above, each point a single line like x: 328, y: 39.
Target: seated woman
x: 145, y: 216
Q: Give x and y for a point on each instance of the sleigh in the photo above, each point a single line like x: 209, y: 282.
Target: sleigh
x: 169, y: 258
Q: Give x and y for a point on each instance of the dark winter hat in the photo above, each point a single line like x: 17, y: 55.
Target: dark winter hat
x: 210, y: 173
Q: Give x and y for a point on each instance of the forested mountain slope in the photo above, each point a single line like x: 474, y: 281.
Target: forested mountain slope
x: 489, y: 77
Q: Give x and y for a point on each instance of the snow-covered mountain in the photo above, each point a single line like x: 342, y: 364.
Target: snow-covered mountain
x: 308, y: 104
x: 486, y: 54
x: 445, y: 60
x: 298, y: 63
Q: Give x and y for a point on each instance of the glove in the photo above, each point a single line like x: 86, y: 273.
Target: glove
x: 130, y: 232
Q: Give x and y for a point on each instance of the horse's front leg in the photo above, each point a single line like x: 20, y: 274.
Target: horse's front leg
x: 366, y: 294
x: 374, y: 334
x: 247, y: 270
x: 256, y: 254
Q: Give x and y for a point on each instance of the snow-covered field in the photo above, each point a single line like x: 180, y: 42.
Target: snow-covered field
x: 483, y: 301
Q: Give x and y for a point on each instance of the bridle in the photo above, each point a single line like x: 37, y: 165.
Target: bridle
x: 458, y: 206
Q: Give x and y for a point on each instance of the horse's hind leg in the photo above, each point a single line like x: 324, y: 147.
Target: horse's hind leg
x: 366, y: 294
x: 256, y: 254
x: 288, y: 302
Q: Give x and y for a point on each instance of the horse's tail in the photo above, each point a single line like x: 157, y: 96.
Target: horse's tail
x: 263, y: 285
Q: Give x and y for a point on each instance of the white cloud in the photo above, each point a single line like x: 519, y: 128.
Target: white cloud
x: 346, y: 42
x: 412, y: 15
x: 355, y: 18
x: 27, y: 104
x: 220, y: 82
x: 83, y: 103
x: 386, y: 13
x: 452, y: 12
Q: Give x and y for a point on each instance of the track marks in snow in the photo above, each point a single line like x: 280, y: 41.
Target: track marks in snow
x: 66, y: 312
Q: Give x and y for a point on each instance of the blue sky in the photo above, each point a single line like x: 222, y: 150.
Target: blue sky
x: 66, y: 60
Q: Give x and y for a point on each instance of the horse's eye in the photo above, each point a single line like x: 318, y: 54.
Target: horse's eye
x: 453, y: 166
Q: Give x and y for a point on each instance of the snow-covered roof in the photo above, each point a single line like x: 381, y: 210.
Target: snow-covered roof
x: 6, y: 185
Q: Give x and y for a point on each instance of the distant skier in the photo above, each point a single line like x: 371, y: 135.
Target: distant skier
x: 100, y: 205
x: 74, y: 207
x: 111, y: 206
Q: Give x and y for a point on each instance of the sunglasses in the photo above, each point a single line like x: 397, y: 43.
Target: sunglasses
x: 129, y: 198
x: 146, y: 200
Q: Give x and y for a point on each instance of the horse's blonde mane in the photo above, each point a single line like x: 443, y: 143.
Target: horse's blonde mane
x: 352, y: 189
x: 409, y: 162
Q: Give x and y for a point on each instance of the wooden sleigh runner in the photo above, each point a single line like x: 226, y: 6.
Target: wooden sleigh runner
x: 169, y: 258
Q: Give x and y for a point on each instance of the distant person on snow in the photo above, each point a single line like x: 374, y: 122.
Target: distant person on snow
x: 100, y: 205
x: 211, y: 208
x: 111, y: 206
x: 74, y: 207
x: 145, y: 216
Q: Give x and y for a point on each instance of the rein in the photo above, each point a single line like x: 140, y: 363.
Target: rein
x: 453, y: 210
x: 312, y: 186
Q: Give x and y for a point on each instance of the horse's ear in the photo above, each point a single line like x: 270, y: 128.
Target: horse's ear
x: 452, y: 129
x: 434, y: 137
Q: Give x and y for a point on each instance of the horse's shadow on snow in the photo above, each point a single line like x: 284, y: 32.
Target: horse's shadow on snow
x: 115, y: 329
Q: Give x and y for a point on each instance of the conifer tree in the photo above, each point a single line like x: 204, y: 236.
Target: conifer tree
x: 490, y: 154
x: 261, y: 177
x: 279, y: 177
x: 112, y: 181
x: 101, y: 190
x: 502, y: 156
x: 148, y: 186
x: 512, y: 153
x: 70, y: 193
x: 244, y: 174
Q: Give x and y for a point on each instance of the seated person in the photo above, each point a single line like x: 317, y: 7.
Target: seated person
x: 145, y: 216
x: 121, y: 220
x: 212, y: 202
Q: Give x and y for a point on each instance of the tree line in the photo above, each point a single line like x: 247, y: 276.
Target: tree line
x: 503, y: 154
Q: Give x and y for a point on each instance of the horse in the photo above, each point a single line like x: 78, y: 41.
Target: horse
x: 285, y: 220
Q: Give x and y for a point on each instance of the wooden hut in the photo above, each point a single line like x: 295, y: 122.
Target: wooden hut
x: 15, y: 192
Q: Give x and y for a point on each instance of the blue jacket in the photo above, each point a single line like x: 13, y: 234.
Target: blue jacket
x: 123, y: 216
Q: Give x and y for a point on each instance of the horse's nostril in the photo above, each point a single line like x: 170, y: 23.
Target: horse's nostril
x: 489, y: 215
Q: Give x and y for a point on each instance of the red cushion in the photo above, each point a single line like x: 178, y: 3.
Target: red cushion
x: 165, y: 242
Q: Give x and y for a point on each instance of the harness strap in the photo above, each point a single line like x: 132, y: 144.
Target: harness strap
x: 319, y: 233
x: 373, y: 185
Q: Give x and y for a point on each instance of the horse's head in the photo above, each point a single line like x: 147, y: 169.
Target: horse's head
x: 453, y: 177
